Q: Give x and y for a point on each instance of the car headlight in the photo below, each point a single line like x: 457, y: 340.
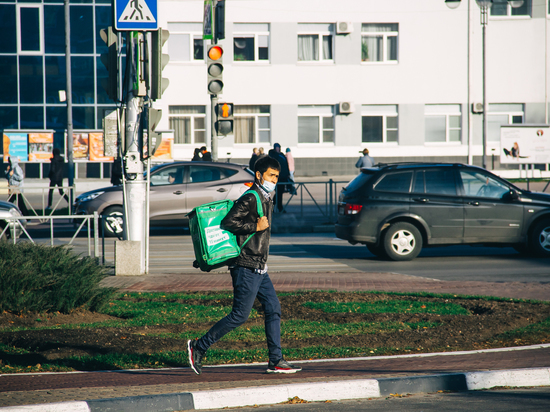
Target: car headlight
x: 89, y: 197
x: 15, y: 213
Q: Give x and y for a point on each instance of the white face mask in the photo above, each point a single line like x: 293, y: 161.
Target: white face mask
x: 268, y: 186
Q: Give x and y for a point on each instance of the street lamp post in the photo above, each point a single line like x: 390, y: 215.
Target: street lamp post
x: 484, y: 7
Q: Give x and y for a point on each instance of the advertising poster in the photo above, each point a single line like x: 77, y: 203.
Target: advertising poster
x: 95, y: 141
x: 40, y: 147
x: 526, y: 144
x: 16, y: 145
x: 164, y: 151
x: 80, y: 145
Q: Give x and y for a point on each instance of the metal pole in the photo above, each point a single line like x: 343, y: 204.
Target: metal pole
x: 134, y: 228
x: 213, y: 118
x: 484, y: 10
x: 69, y: 91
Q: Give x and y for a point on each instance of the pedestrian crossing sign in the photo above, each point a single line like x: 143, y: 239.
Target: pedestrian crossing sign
x: 138, y: 15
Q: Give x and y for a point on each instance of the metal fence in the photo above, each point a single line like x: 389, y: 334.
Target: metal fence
x: 17, y: 228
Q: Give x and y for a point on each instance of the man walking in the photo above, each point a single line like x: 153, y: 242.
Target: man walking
x: 249, y: 272
x: 365, y: 161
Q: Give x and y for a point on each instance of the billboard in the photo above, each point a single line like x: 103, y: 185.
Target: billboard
x: 525, y: 144
x: 40, y: 147
x: 16, y: 144
x: 95, y: 146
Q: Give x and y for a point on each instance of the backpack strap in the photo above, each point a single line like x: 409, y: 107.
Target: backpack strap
x: 260, y: 211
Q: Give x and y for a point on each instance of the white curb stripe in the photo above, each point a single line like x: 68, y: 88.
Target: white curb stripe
x: 516, y: 377
x: 266, y: 395
x: 50, y: 407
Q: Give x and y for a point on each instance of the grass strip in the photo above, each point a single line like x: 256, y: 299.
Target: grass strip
x: 303, y: 329
x: 389, y: 306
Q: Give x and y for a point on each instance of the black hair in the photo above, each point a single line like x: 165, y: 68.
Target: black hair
x: 265, y: 163
x: 56, y: 152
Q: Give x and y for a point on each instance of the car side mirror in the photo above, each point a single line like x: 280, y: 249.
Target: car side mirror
x: 510, y: 196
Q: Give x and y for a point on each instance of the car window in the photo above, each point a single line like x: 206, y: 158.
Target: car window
x: 478, y: 184
x: 436, y: 182
x: 395, y: 182
x: 205, y: 174
x: 360, y: 180
x: 167, y: 176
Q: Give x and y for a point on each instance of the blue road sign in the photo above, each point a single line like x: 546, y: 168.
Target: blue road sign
x: 138, y: 15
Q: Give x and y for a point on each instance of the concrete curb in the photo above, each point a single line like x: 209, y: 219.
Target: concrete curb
x: 317, y: 392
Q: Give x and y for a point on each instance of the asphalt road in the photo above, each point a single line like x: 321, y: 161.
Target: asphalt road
x: 500, y: 400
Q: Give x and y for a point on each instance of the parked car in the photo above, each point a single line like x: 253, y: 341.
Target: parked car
x: 176, y: 188
x: 10, y: 228
x: 396, y: 209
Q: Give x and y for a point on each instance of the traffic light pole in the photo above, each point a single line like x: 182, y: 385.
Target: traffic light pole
x: 135, y: 185
x: 214, y: 134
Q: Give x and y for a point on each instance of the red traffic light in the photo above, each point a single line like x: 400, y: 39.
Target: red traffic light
x: 215, y: 53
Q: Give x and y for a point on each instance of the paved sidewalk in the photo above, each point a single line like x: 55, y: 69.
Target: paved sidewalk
x: 239, y: 385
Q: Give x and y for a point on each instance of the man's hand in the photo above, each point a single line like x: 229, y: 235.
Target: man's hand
x: 262, y: 224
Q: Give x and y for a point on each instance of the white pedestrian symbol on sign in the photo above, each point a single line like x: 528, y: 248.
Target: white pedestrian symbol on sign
x: 136, y: 10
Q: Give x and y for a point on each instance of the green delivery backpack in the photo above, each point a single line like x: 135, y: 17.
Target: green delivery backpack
x: 213, y: 245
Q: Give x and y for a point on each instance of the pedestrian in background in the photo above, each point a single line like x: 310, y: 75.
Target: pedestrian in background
x: 196, y: 155
x: 290, y: 161
x: 261, y: 154
x: 253, y: 158
x: 284, y: 175
x: 206, y: 155
x: 15, y: 180
x: 57, y: 166
x: 365, y: 160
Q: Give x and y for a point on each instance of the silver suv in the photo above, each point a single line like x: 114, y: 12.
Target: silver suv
x: 176, y: 188
x: 9, y: 227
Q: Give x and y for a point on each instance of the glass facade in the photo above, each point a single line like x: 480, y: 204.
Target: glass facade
x: 33, y: 64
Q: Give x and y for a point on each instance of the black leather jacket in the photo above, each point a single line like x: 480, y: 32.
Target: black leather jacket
x: 242, y: 220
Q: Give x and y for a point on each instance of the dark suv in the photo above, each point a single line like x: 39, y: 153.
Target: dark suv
x: 395, y: 209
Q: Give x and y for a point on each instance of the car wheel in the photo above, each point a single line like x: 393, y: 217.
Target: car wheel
x: 402, y: 241
x: 377, y: 250
x: 7, y: 235
x: 540, y: 239
x: 113, y: 221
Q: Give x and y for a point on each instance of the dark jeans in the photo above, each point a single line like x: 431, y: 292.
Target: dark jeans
x: 59, y: 187
x: 247, y: 285
x: 18, y: 199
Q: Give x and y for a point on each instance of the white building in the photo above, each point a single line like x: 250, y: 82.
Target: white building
x: 328, y: 78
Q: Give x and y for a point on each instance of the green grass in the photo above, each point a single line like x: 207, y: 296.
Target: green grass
x: 389, y: 306
x: 202, y: 309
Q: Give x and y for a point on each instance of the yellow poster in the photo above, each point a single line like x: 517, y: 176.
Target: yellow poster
x: 40, y: 146
x: 80, y: 145
x: 97, y: 149
x: 164, y: 151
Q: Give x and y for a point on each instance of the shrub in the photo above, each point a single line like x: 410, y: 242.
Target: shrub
x: 38, y: 278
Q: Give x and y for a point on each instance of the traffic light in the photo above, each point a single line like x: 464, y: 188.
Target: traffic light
x: 220, y: 21
x: 214, y: 62
x: 110, y: 60
x: 158, y: 62
x: 224, y: 125
x: 153, y: 138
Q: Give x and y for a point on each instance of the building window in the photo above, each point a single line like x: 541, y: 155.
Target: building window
x: 315, y: 124
x: 185, y: 43
x: 499, y: 114
x: 379, y: 123
x: 29, y: 24
x: 379, y: 42
x: 252, y: 124
x: 443, y: 123
x: 315, y: 42
x: 188, y: 124
x: 251, y: 42
x: 503, y: 8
